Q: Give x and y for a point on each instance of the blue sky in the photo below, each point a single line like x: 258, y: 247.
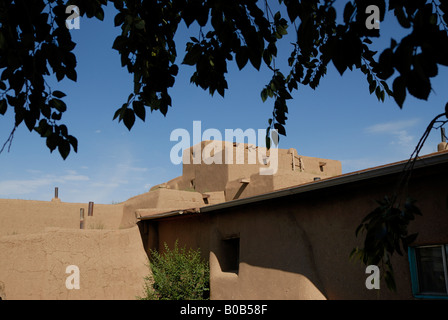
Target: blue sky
x: 339, y: 120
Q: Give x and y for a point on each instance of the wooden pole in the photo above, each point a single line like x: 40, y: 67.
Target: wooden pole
x: 81, y: 218
x: 90, y: 213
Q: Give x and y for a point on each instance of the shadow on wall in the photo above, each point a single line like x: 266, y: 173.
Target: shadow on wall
x: 250, y: 257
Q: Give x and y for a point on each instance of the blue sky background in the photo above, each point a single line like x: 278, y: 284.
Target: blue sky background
x: 339, y: 120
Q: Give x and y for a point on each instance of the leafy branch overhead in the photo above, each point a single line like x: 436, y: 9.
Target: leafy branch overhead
x: 36, y: 44
x: 386, y: 233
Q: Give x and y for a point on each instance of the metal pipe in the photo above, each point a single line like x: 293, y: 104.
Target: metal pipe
x: 90, y: 213
x: 81, y: 218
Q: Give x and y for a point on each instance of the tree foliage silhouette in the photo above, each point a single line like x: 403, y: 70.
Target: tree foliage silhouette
x: 35, y: 44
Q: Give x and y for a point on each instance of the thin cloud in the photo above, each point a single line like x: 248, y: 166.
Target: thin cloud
x: 392, y: 127
x: 403, y: 138
x: 129, y: 168
x: 74, y: 177
x: 23, y: 187
x: 105, y: 184
x: 399, y: 130
x: 20, y: 187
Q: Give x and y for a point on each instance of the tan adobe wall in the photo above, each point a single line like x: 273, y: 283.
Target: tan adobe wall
x: 298, y: 247
x: 169, y: 199
x: 39, y: 239
x: 205, y: 175
x: 29, y: 216
x: 111, y: 264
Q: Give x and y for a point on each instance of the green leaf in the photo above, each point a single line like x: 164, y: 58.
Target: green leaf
x: 268, y: 140
x: 267, y: 57
x: 52, y: 141
x: 119, y: 112
x: 348, y: 12
x: 339, y: 58
x: 282, y: 30
x: 242, y: 57
x: 264, y: 94
x: 59, y: 94
x: 359, y: 228
x: 382, y: 95
x: 56, y: 116
x: 372, y: 86
x: 63, y: 148
x: 30, y: 121
x: 192, y: 56
x: 399, y: 90
x: 2, y: 40
x: 139, y: 109
x: 379, y: 94
x: 281, y: 129
x: 417, y: 86
x: 74, y: 142
x: 402, y: 19
x: 58, y: 105
x: 72, y: 75
x: 100, y: 14
x: 119, y: 19
x: 255, y: 58
x: 140, y: 24
x: 129, y: 118
x: 3, y: 106
x: 385, y: 62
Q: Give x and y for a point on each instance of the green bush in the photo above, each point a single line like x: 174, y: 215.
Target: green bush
x: 177, y: 274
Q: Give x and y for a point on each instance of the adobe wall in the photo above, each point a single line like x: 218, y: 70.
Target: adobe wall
x: 111, y: 264
x: 39, y: 239
x: 298, y: 247
x: 169, y: 199
x: 219, y: 166
x: 29, y: 216
x: 259, y: 184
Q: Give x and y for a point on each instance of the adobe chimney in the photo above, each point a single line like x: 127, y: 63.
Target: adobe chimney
x: 442, y: 146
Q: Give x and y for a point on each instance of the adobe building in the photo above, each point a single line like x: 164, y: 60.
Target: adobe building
x: 221, y: 171
x: 230, y: 171
x: 281, y: 226
x: 40, y: 239
x: 294, y: 242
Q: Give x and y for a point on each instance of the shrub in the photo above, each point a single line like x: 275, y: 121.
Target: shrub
x: 177, y: 274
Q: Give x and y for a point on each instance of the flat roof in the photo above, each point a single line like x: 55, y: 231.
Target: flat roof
x: 379, y: 171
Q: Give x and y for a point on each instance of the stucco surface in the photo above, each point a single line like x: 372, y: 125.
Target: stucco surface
x: 29, y: 216
x: 40, y: 239
x: 111, y: 264
x: 298, y: 246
